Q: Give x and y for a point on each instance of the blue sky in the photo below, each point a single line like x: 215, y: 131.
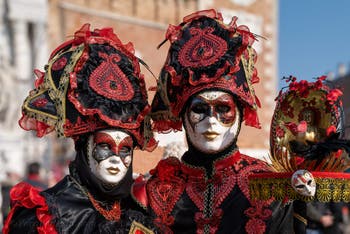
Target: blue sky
x: 314, y: 37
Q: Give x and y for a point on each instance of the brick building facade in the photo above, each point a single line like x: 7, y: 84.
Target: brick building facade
x: 144, y: 24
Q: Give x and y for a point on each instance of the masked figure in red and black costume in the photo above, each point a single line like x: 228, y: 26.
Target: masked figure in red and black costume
x: 206, y: 85
x: 92, y: 91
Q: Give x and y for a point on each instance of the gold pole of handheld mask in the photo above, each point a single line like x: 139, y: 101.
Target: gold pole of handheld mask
x: 137, y: 227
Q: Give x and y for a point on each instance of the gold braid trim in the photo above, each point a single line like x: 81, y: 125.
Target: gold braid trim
x: 327, y: 190
x: 300, y: 218
x: 248, y: 65
x: 136, y: 227
x: 59, y: 94
x: 45, y: 117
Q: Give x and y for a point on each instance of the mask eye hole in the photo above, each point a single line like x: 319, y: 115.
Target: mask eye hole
x: 309, y: 182
x: 104, y: 146
x: 301, y: 186
x: 200, y: 108
x: 101, y: 152
x: 125, y: 151
x: 222, y: 109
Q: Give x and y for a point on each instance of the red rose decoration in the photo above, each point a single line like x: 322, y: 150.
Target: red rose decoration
x: 338, y: 153
x: 303, y: 88
x: 39, y: 77
x: 255, y: 226
x: 279, y: 132
x: 25, y: 195
x: 331, y: 130
x: 292, y: 127
x: 333, y: 96
x: 167, y: 168
x: 302, y: 126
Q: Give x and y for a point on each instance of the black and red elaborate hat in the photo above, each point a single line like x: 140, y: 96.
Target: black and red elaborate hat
x: 90, y: 82
x: 306, y: 135
x: 205, y: 54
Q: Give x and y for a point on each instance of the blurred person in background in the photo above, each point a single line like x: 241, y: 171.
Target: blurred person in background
x: 324, y: 218
x: 93, y: 91
x: 174, y: 149
x: 33, y: 176
x: 11, y: 176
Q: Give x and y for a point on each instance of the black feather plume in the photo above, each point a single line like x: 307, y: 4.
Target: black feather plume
x: 312, y: 151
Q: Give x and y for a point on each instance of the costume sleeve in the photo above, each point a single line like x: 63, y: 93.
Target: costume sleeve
x: 29, y: 213
x: 312, y: 212
x: 281, y: 221
x: 24, y: 221
x: 138, y: 192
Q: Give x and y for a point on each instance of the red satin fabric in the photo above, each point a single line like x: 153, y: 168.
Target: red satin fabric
x: 27, y: 196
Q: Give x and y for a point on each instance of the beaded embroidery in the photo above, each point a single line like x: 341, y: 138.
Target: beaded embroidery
x: 112, y: 215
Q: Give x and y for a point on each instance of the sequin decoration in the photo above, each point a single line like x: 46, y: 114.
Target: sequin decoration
x: 203, y: 49
x: 40, y: 102
x: 112, y: 215
x: 59, y: 64
x: 109, y: 81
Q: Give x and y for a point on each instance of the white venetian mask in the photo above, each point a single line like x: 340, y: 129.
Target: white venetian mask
x: 110, y: 155
x: 304, y: 183
x: 212, y: 121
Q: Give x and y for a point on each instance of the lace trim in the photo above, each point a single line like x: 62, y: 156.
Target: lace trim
x: 259, y: 211
x: 164, y: 190
x: 109, y: 80
x: 221, y: 184
x: 112, y: 215
x: 163, y: 196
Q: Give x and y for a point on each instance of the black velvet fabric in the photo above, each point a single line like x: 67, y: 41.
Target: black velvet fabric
x: 233, y: 44
x: 125, y: 111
